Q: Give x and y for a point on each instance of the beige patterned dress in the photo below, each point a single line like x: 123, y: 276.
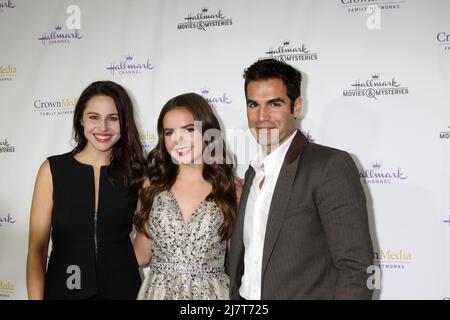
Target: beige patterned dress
x: 187, y: 258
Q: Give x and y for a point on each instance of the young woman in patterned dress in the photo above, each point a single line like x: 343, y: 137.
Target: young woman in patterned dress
x: 188, y: 205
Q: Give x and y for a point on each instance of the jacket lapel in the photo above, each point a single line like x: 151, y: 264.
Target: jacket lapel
x: 281, y: 196
x: 237, y: 242
x: 249, y: 175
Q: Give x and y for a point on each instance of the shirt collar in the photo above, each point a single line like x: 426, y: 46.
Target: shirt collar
x: 267, y: 163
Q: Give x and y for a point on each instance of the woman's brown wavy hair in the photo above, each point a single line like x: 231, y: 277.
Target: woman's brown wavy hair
x: 162, y: 171
x: 127, y: 160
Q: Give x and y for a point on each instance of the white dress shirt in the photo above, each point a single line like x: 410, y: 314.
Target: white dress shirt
x: 256, y: 213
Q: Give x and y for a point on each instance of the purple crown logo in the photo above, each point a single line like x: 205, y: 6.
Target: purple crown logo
x: 205, y: 91
x: 205, y: 9
x: 286, y: 42
x: 375, y: 76
x: 129, y: 57
x: 58, y: 27
x: 376, y: 165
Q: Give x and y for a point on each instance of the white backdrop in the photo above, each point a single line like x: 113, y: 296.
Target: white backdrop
x: 375, y: 84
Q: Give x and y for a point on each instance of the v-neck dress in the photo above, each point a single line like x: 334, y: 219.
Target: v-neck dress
x: 188, y: 259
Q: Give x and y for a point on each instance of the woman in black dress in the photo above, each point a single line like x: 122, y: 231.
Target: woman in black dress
x: 85, y: 201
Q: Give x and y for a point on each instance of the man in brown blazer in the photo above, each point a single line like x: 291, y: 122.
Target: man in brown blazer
x: 301, y: 231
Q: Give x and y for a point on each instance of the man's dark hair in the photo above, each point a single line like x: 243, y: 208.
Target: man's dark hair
x: 273, y: 69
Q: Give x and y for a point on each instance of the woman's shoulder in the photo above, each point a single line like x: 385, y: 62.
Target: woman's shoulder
x: 60, y: 162
x: 146, y: 187
x: 61, y: 157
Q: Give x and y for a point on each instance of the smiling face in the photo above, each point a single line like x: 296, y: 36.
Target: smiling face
x: 101, y: 123
x: 269, y: 112
x: 183, y: 141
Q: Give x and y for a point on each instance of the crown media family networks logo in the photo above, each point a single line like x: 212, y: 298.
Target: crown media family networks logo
x: 128, y: 66
x: 7, y: 73
x: 60, y: 35
x: 443, y: 40
x: 287, y: 52
x: 378, y: 175
x: 55, y: 107
x: 5, y: 146
x: 205, y: 19
x: 6, y: 289
x: 375, y: 87
x: 353, y: 6
x: 148, y: 140
x: 393, y: 259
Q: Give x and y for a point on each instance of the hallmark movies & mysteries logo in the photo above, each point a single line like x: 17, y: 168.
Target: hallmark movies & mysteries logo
x: 375, y: 87
x: 204, y: 20
x: 5, y: 146
x: 287, y: 52
x: 445, y: 134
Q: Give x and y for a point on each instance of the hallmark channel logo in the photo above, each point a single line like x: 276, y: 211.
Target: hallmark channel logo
x: 443, y: 40
x: 205, y: 19
x: 5, y: 5
x: 6, y: 147
x: 216, y: 100
x: 59, y: 36
x: 392, y: 259
x: 6, y: 289
x: 7, y: 73
x: 353, y: 6
x: 148, y: 140
x: 375, y: 87
x: 445, y: 135
x: 378, y: 175
x: 288, y: 53
x: 128, y: 66
x: 58, y: 107
x: 6, y: 220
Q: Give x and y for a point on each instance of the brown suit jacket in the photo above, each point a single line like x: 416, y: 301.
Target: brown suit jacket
x: 317, y: 243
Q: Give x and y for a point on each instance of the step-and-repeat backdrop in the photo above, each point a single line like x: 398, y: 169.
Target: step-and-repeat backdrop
x: 376, y: 83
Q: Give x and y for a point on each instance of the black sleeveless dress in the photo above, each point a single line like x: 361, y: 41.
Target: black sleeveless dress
x: 92, y: 254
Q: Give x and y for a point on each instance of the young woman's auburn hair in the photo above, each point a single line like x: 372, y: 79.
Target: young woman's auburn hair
x: 128, y: 160
x: 162, y: 171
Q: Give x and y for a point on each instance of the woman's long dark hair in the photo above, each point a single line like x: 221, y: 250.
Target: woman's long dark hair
x: 162, y: 171
x: 127, y: 161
